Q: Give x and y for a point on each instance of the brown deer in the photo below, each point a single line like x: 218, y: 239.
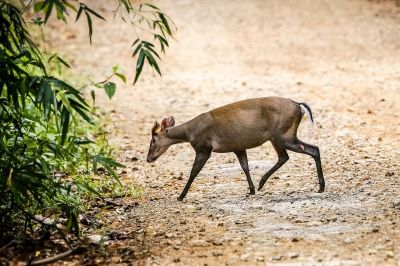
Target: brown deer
x: 237, y: 127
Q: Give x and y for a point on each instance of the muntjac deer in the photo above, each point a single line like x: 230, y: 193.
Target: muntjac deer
x: 237, y: 127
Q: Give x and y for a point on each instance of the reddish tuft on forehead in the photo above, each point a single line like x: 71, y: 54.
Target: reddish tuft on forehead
x: 156, y: 128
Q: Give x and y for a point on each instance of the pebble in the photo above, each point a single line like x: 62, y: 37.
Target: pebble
x: 293, y: 255
x: 96, y: 239
x: 198, y: 243
x: 170, y: 235
x: 217, y: 243
x: 260, y: 259
x: 245, y: 256
x: 348, y: 240
x: 217, y: 253
x: 389, y: 254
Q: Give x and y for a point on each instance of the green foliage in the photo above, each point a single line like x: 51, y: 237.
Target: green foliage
x: 144, y: 17
x: 40, y: 142
x: 51, y: 143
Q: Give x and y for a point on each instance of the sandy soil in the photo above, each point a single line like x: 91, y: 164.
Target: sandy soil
x: 341, y: 57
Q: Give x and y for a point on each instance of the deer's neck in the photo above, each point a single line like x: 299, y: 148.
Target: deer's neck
x: 178, y: 134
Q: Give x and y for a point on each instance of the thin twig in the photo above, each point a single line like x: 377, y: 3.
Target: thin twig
x: 60, y: 256
x: 7, y: 245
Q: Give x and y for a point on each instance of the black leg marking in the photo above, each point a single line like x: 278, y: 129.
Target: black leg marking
x: 313, y: 151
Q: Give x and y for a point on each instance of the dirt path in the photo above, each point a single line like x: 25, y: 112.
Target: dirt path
x: 342, y: 57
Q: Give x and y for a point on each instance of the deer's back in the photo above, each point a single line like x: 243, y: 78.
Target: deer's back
x: 246, y: 124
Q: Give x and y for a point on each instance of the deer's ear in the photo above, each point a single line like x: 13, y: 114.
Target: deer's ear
x: 167, y: 123
x: 164, y: 124
x: 171, y: 121
x: 155, y: 128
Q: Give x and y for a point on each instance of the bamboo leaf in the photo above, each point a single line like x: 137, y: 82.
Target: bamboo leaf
x: 93, y: 12
x: 81, y: 7
x: 152, y: 61
x: 137, y: 50
x: 135, y: 42
x: 89, y: 20
x: 165, y: 22
x: 139, y: 65
x: 152, y: 6
x: 48, y: 9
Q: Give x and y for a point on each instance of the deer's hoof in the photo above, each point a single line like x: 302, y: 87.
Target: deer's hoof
x: 180, y: 198
x: 252, y: 191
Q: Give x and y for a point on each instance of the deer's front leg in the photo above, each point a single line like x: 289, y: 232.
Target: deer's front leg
x: 199, y: 162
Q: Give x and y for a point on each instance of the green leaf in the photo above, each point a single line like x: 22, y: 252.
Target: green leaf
x: 93, y: 94
x: 135, y: 42
x: 38, y: 6
x: 139, y: 65
x: 137, y: 50
x: 147, y: 44
x: 152, y: 6
x: 93, y: 12
x: 154, y: 52
x: 88, y: 188
x: 66, y: 3
x: 110, y: 87
x: 152, y: 61
x: 165, y: 22
x: 48, y: 9
x: 63, y: 62
x: 81, y: 7
x: 121, y: 76
x: 65, y: 115
x: 89, y: 20
x: 60, y: 13
x: 109, y: 164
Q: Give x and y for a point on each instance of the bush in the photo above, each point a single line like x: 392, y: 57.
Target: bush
x: 44, y: 120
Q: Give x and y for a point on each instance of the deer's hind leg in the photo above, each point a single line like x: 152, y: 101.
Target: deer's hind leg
x: 301, y: 147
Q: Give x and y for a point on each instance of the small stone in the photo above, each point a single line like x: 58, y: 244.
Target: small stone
x: 182, y: 222
x: 260, y: 259
x: 293, y: 255
x: 276, y: 258
x: 161, y: 233
x: 389, y: 254
x: 96, y: 239
x: 169, y: 235
x: 389, y: 174
x: 217, y: 253
x: 217, y: 243
x: 198, y: 243
x: 134, y: 159
x: 245, y: 256
x: 348, y: 240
